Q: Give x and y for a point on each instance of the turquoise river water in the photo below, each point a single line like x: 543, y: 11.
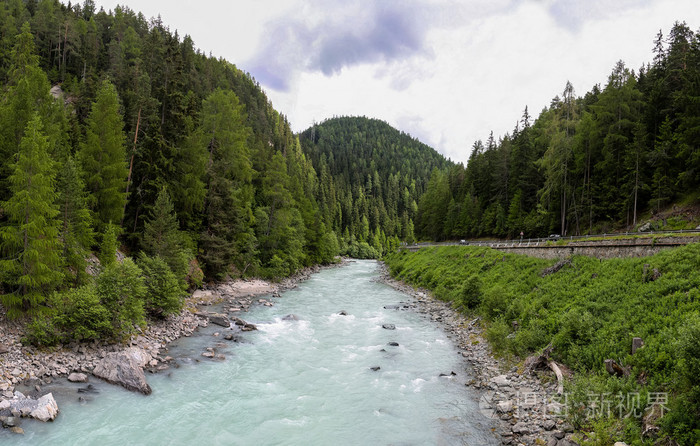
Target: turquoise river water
x: 303, y: 382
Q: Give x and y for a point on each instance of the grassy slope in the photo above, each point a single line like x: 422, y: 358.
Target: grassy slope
x: 589, y: 310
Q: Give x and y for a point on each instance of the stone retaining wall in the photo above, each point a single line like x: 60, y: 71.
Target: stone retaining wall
x: 599, y: 249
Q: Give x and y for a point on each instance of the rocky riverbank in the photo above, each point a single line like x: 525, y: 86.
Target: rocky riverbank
x: 124, y: 364
x: 526, y: 405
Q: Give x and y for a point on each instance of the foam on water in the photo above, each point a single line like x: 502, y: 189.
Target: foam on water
x: 293, y: 382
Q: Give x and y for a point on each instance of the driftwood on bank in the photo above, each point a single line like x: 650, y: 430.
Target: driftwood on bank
x: 542, y: 361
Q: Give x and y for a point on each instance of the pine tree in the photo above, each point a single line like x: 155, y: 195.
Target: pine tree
x: 27, y: 94
x: 103, y: 157
x: 162, y: 236
x: 30, y: 243
x: 76, y: 222
x: 228, y: 239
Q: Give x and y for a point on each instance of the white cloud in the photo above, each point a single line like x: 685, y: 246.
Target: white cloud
x: 446, y: 71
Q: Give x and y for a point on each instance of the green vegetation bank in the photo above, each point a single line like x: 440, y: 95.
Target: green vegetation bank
x: 588, y: 311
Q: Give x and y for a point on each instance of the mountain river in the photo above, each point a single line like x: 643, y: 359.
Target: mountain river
x: 292, y: 382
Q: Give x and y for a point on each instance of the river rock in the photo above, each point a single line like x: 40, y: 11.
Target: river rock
x: 376, y: 368
x: 17, y: 430
x: 125, y: 368
x: 46, y: 408
x: 78, y: 378
x: 88, y: 389
x: 521, y: 428
x: 504, y: 406
x: 43, y: 409
x: 291, y: 317
x: 245, y: 326
x: 219, y: 319
x: 393, y: 344
x: 389, y: 326
x: 548, y: 425
x: 9, y: 421
x: 500, y: 381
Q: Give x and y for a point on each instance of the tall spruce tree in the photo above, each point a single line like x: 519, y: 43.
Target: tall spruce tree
x: 76, y: 222
x: 162, y: 237
x: 27, y: 93
x: 30, y: 243
x: 103, y: 157
x: 228, y: 241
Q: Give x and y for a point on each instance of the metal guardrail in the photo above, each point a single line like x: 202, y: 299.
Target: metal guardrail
x: 535, y: 242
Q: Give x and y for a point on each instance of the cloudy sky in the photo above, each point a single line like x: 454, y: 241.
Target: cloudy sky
x: 446, y: 71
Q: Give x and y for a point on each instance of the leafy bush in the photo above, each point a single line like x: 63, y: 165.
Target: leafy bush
x: 81, y: 316
x: 470, y: 293
x: 497, y: 335
x: 41, y: 332
x: 495, y: 301
x: 165, y: 293
x: 121, y: 290
x: 328, y: 247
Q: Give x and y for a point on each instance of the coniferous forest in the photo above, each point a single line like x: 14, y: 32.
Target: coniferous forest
x: 589, y: 163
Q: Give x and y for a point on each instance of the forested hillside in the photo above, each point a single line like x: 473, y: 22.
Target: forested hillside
x: 371, y: 177
x: 587, y: 164
x: 118, y: 133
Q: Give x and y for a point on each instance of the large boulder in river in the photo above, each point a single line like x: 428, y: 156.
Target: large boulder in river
x: 43, y: 409
x: 46, y: 408
x: 126, y: 369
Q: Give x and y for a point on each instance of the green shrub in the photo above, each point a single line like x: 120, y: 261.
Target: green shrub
x: 109, y: 246
x: 41, y: 332
x: 165, y: 293
x: 195, y: 275
x: 470, y: 293
x: 495, y: 301
x: 81, y: 316
x: 328, y: 248
x: 121, y: 290
x: 497, y: 335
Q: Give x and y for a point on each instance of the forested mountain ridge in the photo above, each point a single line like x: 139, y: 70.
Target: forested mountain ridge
x: 587, y: 164
x: 372, y: 176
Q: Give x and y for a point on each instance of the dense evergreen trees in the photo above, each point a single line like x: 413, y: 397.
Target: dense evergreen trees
x: 586, y: 164
x: 144, y: 145
x: 371, y: 177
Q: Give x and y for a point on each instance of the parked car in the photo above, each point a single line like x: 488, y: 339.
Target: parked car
x: 463, y: 242
x: 554, y: 236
